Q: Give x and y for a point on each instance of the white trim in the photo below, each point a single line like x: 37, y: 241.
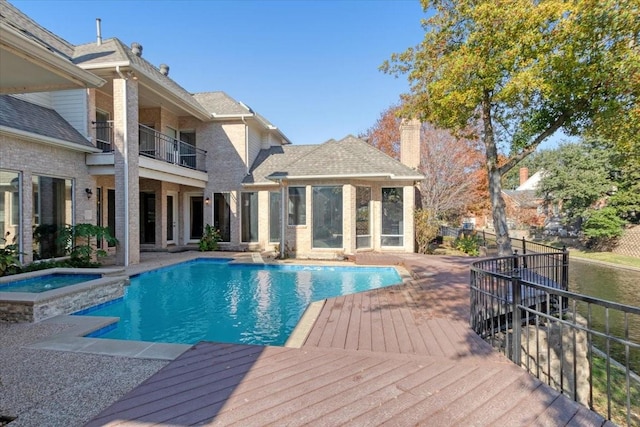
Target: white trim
x: 41, y: 139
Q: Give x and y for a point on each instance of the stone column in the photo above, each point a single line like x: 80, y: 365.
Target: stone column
x: 125, y: 124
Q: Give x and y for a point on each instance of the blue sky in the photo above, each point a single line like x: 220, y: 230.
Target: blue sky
x: 310, y: 67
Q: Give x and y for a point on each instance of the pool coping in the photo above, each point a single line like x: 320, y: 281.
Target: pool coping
x: 74, y: 338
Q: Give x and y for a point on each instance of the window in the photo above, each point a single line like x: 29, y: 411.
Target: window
x: 297, y: 208
x: 327, y: 217
x: 52, y: 210
x: 222, y: 215
x: 363, y: 217
x: 392, y: 217
x: 249, y: 216
x: 10, y: 208
x: 275, y: 216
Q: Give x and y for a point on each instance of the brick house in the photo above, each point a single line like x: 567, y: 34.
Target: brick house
x: 96, y: 134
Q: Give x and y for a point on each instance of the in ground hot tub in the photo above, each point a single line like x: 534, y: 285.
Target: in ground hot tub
x: 39, y: 295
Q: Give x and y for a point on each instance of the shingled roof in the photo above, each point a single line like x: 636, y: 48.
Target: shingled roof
x: 25, y: 116
x: 350, y: 157
x: 114, y: 50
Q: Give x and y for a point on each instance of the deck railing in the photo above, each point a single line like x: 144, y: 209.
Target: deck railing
x: 163, y: 147
x: 155, y: 145
x: 104, y: 135
x: 584, y: 347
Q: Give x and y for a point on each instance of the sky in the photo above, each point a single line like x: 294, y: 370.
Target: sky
x: 309, y: 67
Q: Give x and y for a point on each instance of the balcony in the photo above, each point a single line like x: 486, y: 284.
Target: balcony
x: 155, y: 145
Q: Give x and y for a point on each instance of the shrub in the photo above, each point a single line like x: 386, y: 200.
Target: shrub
x: 469, y: 244
x: 602, y: 227
x: 79, y: 242
x: 9, y: 260
x: 209, y: 240
x: 426, y: 229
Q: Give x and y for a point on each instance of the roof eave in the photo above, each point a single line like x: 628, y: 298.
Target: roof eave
x: 42, y: 139
x: 389, y: 176
x: 23, y: 46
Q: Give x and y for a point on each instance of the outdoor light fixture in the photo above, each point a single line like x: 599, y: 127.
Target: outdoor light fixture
x: 89, y: 192
x: 207, y: 201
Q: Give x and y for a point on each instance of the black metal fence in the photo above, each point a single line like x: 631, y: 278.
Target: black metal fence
x: 584, y: 347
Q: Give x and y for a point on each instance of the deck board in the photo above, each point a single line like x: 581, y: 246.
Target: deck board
x: 402, y: 355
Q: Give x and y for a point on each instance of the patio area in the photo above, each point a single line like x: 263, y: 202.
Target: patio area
x: 403, y: 355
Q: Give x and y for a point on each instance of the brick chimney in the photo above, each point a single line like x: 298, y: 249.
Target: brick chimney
x: 410, y: 142
x: 524, y: 175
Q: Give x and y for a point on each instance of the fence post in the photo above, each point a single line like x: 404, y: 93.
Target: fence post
x: 565, y: 268
x: 484, y: 239
x: 516, y: 319
x: 515, y: 259
x: 524, y: 246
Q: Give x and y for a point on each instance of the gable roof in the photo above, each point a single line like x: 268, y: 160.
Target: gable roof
x: 113, y: 51
x: 350, y: 157
x: 523, y: 198
x: 31, y: 118
x: 222, y: 106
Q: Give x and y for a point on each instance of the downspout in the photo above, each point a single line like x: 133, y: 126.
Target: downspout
x: 126, y: 171
x: 246, y: 144
x: 283, y: 218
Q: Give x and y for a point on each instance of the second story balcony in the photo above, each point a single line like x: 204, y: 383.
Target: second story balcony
x: 155, y: 145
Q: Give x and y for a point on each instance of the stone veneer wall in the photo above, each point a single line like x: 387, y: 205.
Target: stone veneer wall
x: 103, y: 290
x: 629, y: 243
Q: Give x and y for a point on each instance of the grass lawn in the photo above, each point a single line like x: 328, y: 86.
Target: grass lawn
x: 606, y: 256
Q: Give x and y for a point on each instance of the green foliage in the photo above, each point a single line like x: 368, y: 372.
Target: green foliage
x: 79, y: 241
x: 209, y: 240
x: 576, y: 175
x: 519, y: 71
x: 602, y: 226
x: 9, y: 260
x: 426, y: 229
x: 469, y: 244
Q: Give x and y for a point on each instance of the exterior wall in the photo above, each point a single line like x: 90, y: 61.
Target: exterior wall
x: 73, y: 106
x: 299, y: 238
x: 31, y: 159
x: 255, y: 144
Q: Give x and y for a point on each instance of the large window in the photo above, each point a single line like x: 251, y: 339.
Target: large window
x: 52, y: 210
x: 249, y: 216
x: 327, y: 217
x: 10, y: 208
x: 392, y: 217
x: 275, y: 216
x: 297, y: 206
x: 222, y: 215
x: 363, y: 217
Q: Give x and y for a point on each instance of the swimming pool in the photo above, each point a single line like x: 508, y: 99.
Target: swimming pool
x: 219, y: 301
x: 46, y: 283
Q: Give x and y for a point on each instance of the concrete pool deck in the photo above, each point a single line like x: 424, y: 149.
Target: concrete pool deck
x: 414, y: 359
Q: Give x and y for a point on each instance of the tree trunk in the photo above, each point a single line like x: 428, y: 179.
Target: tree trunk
x: 495, y: 185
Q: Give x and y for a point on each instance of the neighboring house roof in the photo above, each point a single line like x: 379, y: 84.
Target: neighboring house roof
x: 112, y: 52
x: 27, y: 117
x: 348, y: 158
x: 222, y: 106
x: 526, y: 199
x: 532, y: 182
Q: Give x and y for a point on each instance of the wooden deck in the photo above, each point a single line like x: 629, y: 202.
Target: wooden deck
x: 397, y: 356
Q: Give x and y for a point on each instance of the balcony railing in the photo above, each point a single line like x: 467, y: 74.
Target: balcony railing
x: 585, y: 347
x: 155, y: 145
x: 104, y: 135
x: 163, y: 147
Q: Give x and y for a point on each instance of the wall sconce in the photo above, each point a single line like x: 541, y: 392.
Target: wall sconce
x: 89, y: 192
x: 207, y: 201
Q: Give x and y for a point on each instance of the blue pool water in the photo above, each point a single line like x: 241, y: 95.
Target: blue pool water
x: 46, y: 283
x: 235, y: 303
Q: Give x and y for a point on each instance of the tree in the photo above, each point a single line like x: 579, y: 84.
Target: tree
x: 454, y: 178
x: 524, y: 70
x: 576, y: 176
